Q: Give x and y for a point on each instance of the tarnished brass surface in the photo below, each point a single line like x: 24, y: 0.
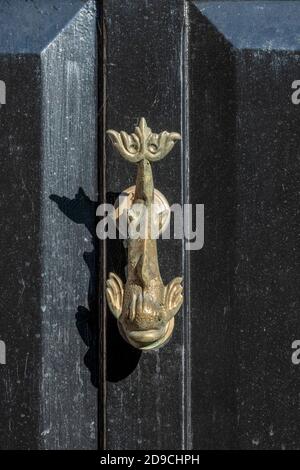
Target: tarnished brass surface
x: 144, y: 306
x: 125, y: 203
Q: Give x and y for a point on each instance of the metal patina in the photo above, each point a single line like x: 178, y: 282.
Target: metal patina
x: 144, y: 306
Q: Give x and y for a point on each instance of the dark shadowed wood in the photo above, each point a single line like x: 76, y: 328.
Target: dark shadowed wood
x: 145, y: 406
x: 244, y: 166
x: 48, y: 196
x: 222, y: 71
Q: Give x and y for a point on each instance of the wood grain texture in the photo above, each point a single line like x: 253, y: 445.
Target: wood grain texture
x: 145, y: 405
x: 223, y: 72
x: 48, y: 394
x: 20, y: 264
x: 244, y: 166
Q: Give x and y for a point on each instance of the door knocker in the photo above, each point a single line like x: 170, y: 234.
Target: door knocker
x: 144, y: 306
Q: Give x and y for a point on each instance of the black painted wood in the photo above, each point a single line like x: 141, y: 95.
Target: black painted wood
x: 222, y: 72
x: 20, y: 260
x: 244, y: 166
x: 48, y: 196
x: 145, y: 393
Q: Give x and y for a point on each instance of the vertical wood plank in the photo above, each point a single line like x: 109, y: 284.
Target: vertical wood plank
x: 244, y: 166
x: 48, y: 388
x: 145, y: 392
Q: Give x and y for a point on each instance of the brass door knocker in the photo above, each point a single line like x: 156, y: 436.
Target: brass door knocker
x: 144, y: 307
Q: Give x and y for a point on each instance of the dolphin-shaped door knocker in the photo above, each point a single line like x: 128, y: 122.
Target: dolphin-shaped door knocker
x: 144, y: 306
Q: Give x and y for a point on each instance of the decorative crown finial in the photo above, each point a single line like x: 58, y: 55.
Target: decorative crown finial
x: 143, y: 143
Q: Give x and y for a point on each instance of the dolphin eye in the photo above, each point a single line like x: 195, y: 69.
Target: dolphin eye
x: 153, y: 148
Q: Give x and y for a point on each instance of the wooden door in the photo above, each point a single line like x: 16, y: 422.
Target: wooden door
x: 224, y: 75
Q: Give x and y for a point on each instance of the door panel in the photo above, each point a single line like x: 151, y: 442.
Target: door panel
x: 145, y: 393
x: 223, y: 73
x: 244, y: 143
x: 48, y: 394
